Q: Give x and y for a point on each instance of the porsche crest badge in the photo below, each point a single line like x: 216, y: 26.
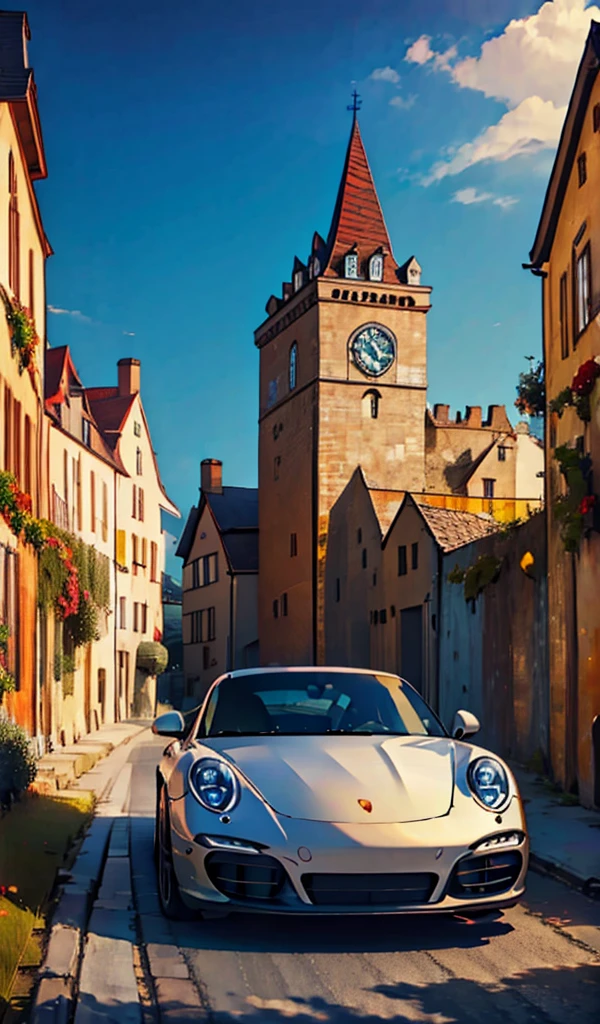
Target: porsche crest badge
x: 366, y: 805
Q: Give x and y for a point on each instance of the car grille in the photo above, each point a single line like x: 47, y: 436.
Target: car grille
x: 245, y: 876
x: 486, y: 875
x: 369, y: 890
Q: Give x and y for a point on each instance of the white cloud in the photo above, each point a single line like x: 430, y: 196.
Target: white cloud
x: 420, y: 52
x: 58, y: 311
x: 403, y: 103
x: 534, y: 56
x: 531, y: 67
x: 129, y: 334
x: 505, y: 202
x: 470, y: 196
x: 534, y: 125
x: 385, y: 75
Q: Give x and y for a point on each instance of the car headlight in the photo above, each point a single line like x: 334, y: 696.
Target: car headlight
x: 488, y: 783
x: 213, y: 783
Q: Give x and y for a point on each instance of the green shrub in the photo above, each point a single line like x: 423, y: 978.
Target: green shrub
x: 18, y: 767
x: 152, y: 657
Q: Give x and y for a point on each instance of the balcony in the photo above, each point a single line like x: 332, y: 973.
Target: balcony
x: 60, y: 511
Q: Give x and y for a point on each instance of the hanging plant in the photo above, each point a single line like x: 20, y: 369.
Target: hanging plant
x: 571, y: 509
x: 478, y: 576
x: 577, y: 395
x: 152, y: 658
x: 531, y: 390
x: 23, y: 335
x: 15, y: 509
x: 7, y: 682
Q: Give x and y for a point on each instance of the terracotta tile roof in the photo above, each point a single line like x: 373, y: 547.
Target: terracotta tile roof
x: 357, y: 217
x: 110, y: 412
x: 386, y: 505
x: 452, y: 528
x: 60, y: 374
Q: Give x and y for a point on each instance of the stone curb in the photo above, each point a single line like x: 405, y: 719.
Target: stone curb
x: 590, y: 887
x: 56, y: 997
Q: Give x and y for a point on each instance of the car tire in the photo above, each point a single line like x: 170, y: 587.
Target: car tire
x: 169, y: 895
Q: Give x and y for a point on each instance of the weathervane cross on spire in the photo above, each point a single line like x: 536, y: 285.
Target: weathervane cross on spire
x: 356, y: 103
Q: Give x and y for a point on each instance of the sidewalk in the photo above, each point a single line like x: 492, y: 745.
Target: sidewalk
x: 65, y: 765
x: 565, y: 838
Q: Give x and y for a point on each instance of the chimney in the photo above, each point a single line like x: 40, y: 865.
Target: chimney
x: 211, y: 476
x: 440, y: 413
x: 474, y: 415
x: 129, y: 377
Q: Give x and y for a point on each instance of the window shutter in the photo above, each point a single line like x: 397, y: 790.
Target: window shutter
x: 121, y: 548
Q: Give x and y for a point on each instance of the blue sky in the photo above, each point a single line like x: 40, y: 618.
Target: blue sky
x: 194, y: 148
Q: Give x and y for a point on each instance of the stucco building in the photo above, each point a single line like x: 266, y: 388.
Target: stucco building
x: 139, y: 543
x: 82, y: 483
x: 24, y: 249
x: 566, y: 256
x: 219, y: 548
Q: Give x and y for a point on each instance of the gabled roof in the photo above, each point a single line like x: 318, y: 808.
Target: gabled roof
x: 17, y: 87
x: 235, y: 514
x: 567, y: 148
x: 357, y: 217
x: 449, y: 528
x: 59, y: 377
x: 472, y: 467
x: 111, y: 410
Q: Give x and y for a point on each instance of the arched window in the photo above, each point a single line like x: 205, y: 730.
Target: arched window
x: 138, y: 461
x: 293, y: 365
x: 370, y: 404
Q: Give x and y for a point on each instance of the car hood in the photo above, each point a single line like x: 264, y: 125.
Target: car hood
x: 323, y: 778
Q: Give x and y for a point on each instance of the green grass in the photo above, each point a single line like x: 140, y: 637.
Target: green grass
x: 35, y: 838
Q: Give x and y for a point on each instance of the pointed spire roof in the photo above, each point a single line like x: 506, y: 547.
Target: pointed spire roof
x: 357, y: 217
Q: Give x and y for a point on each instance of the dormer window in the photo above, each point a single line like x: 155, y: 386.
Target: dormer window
x: 316, y: 267
x: 376, y: 267
x: 298, y: 280
x: 351, y: 265
x: 86, y: 432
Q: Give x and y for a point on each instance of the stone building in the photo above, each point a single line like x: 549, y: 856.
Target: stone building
x: 219, y: 548
x: 566, y: 256
x: 343, y: 385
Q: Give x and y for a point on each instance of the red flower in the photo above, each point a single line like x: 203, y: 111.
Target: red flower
x: 585, y: 378
x: 587, y: 504
x: 86, y: 595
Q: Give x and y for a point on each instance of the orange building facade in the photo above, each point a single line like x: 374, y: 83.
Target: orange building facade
x: 566, y: 255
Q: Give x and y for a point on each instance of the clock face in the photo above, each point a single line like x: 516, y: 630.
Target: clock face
x: 374, y: 350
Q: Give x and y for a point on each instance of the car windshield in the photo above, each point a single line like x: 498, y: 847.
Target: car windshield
x: 317, y: 703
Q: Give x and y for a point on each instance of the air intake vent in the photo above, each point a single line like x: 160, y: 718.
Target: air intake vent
x: 245, y: 876
x: 369, y: 890
x: 486, y: 875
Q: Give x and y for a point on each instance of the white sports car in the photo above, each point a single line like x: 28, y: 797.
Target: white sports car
x: 332, y: 791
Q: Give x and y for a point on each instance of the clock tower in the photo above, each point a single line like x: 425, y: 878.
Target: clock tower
x: 342, y: 384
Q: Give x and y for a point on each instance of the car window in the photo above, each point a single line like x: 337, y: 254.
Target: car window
x: 314, y: 703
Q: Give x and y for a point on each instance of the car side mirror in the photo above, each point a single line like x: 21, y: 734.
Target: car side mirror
x: 464, y: 725
x: 169, y: 724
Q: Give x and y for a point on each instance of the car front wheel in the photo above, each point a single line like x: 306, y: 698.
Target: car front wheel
x: 171, y: 902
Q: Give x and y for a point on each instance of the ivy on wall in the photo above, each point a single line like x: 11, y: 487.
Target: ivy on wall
x: 7, y: 682
x: 571, y: 508
x: 476, y: 577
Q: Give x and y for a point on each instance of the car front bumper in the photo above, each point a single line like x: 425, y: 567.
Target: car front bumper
x: 431, y: 866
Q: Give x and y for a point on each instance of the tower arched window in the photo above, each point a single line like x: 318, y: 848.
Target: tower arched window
x: 293, y: 365
x: 370, y: 404
x: 14, y: 259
